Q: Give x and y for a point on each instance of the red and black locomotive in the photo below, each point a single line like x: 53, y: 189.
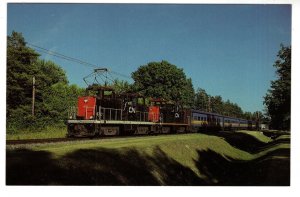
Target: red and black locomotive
x: 107, y: 113
x: 103, y: 112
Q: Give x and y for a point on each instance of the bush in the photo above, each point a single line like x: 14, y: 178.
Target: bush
x: 21, y: 119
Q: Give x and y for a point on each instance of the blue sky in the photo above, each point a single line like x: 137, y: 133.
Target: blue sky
x: 227, y: 50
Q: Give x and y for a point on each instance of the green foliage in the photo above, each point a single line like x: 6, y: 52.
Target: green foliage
x: 215, y: 104
x: 121, y: 86
x: 49, y: 73
x: 53, y: 94
x: 164, y: 80
x: 191, y: 159
x: 57, y: 131
x: 156, y: 79
x: 248, y: 115
x: 201, y: 100
x: 21, y: 68
x: 188, y: 93
x: 233, y: 109
x: 278, y: 98
x: 57, y: 100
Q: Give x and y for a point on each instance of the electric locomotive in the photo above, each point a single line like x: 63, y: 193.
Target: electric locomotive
x: 103, y: 112
x: 106, y: 113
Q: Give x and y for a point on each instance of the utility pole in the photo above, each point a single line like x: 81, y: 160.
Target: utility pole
x: 33, y: 94
x: 258, y: 120
x: 209, y: 105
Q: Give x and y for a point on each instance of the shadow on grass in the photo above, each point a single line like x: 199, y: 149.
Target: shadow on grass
x: 132, y: 167
x: 272, y: 169
x: 245, y: 141
x: 97, y: 167
x: 275, y: 134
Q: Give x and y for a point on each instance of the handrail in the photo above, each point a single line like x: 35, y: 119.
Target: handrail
x: 103, y: 113
x: 117, y: 114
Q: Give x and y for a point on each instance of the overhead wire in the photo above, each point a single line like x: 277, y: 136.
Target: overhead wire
x: 95, y: 73
x: 44, y: 50
x: 120, y: 74
x: 76, y: 60
x: 52, y: 54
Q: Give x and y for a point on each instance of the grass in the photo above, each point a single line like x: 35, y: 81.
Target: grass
x: 181, y: 148
x: 241, y: 158
x: 48, y: 132
x: 258, y: 135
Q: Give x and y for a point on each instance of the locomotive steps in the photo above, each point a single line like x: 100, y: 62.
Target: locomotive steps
x: 226, y: 158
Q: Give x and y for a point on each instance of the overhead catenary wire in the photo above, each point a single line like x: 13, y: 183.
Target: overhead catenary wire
x: 120, y: 74
x: 72, y: 59
x: 76, y: 60
x: 56, y: 54
x: 95, y: 73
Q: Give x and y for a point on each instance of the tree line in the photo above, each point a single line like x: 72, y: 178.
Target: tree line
x: 278, y: 97
x: 54, y: 95
x: 215, y: 104
x: 164, y: 80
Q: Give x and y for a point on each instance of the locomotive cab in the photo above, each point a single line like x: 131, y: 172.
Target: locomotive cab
x: 166, y: 111
x: 112, y: 106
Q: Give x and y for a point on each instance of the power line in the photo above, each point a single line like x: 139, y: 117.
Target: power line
x: 72, y: 59
x: 56, y: 54
x: 120, y: 74
x: 94, y: 74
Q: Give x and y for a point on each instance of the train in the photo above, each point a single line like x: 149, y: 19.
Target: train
x: 103, y: 112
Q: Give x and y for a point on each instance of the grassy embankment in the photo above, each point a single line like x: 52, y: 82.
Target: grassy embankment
x: 240, y: 158
x: 48, y: 132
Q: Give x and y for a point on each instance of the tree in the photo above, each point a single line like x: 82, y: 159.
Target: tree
x: 201, y: 100
x: 247, y: 115
x: 21, y: 68
x: 53, y: 94
x: 278, y: 98
x: 164, y: 80
x: 232, y: 109
x: 51, y: 73
x: 216, y: 104
x: 188, y: 93
x: 121, y: 86
x: 48, y: 75
x: 57, y: 100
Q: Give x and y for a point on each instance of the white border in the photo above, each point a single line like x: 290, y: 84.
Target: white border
x: 160, y: 191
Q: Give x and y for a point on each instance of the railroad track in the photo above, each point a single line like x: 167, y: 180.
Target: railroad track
x: 54, y: 140
x: 40, y: 141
